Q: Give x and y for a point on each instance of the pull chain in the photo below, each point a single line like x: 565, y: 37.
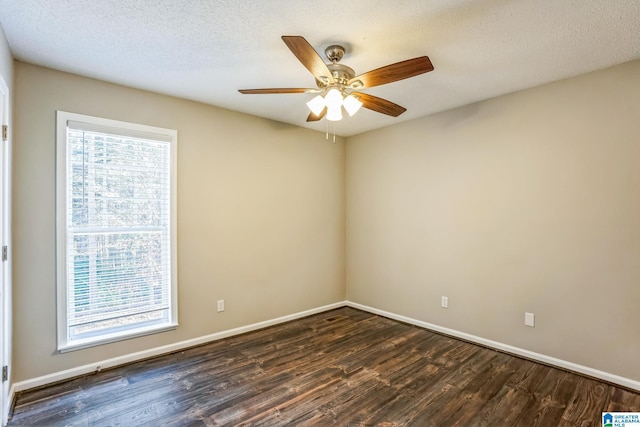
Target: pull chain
x: 326, y: 122
x: 333, y: 130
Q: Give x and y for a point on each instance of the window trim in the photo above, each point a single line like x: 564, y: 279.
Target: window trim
x: 123, y: 128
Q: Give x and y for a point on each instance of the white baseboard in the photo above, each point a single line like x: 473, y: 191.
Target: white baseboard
x: 121, y: 360
x: 170, y: 348
x: 548, y: 360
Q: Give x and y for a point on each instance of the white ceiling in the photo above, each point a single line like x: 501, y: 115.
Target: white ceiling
x: 205, y: 50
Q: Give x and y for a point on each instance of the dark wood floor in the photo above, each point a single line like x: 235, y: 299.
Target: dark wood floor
x: 340, y: 368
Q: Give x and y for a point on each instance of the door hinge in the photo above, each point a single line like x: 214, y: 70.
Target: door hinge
x: 5, y: 132
x: 5, y: 373
x: 4, y: 253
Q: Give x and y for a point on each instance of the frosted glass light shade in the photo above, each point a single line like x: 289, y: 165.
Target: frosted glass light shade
x: 351, y: 104
x: 316, y: 105
x: 333, y: 99
x: 334, y: 113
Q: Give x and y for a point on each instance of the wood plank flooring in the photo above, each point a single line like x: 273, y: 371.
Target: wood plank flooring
x: 339, y: 368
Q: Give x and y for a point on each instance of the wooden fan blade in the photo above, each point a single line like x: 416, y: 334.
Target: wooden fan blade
x: 277, y: 90
x: 309, y: 58
x: 392, y: 73
x: 313, y: 118
x: 379, y: 105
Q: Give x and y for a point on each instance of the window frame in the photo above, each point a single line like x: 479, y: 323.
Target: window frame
x: 127, y: 129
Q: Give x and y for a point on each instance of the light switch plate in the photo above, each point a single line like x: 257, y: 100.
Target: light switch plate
x: 530, y: 319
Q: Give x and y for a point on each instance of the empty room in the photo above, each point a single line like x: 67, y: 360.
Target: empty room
x: 361, y: 213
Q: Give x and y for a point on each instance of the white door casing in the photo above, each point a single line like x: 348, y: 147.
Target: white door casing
x: 5, y: 255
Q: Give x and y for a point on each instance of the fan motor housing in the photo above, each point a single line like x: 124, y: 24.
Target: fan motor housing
x: 341, y: 73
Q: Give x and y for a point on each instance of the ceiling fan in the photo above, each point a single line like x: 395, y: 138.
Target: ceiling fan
x: 338, y: 86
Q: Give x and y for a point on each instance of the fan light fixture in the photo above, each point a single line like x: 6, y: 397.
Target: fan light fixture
x: 351, y: 104
x: 333, y: 102
x: 316, y: 105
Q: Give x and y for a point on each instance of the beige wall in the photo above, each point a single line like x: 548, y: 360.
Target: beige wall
x: 527, y: 202
x: 260, y: 215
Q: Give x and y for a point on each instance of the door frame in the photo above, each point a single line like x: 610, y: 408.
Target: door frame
x: 5, y: 266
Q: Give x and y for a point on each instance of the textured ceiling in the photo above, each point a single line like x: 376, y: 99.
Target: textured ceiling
x: 205, y: 50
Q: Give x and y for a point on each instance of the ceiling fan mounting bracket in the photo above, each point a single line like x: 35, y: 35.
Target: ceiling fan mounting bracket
x: 334, y: 53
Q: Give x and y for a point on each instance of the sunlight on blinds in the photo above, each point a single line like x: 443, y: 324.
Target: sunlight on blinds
x: 118, y: 241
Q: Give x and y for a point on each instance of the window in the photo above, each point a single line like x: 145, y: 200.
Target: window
x: 116, y: 230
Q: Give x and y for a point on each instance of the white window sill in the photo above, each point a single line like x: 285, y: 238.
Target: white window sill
x: 107, y: 339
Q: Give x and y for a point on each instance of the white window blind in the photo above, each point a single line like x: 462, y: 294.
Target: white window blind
x: 116, y: 233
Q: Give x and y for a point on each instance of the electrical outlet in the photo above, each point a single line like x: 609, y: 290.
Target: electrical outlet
x: 530, y: 319
x: 220, y: 305
x: 444, y: 303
